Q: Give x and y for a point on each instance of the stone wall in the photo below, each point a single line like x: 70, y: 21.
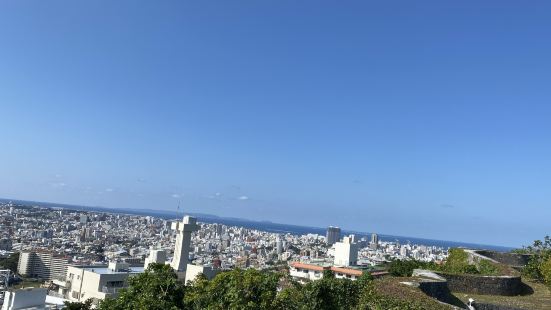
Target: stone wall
x: 436, y: 289
x: 433, y: 285
x: 511, y: 259
x: 484, y: 285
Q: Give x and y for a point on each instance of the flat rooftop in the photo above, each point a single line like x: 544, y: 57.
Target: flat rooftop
x: 105, y: 270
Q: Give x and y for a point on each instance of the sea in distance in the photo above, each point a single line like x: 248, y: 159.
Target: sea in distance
x: 259, y: 225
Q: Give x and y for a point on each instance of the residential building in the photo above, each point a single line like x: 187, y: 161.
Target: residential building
x: 42, y: 264
x: 346, y: 253
x: 96, y: 282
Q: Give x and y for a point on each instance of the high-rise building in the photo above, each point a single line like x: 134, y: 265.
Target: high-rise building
x: 374, y: 244
x: 333, y: 235
x: 279, y: 245
x: 346, y: 253
x: 404, y: 251
x: 183, y: 242
x: 43, y: 265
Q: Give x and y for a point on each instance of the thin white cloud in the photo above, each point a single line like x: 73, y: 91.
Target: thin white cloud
x: 243, y: 197
x: 176, y: 196
x: 109, y: 190
x: 58, y: 184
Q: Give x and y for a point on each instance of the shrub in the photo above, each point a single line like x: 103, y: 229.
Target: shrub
x: 545, y: 271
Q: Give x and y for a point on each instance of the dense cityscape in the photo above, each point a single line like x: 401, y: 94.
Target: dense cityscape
x: 275, y: 155
x: 63, y: 238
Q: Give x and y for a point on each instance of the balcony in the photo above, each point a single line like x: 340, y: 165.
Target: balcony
x: 61, y: 281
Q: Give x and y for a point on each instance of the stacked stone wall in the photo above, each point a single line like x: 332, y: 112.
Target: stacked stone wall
x: 511, y: 259
x: 484, y: 285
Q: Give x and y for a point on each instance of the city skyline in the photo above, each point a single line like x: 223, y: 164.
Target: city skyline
x: 426, y: 120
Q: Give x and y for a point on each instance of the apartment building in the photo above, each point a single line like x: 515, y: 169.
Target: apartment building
x: 41, y: 264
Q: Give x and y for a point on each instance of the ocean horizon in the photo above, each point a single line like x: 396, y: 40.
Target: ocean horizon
x: 260, y: 225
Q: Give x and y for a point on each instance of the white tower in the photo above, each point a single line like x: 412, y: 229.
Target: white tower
x: 183, y: 243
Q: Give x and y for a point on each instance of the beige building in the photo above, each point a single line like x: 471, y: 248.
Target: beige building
x: 41, y: 264
x: 96, y: 282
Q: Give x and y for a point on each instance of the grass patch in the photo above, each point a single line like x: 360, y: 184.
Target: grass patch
x: 392, y: 288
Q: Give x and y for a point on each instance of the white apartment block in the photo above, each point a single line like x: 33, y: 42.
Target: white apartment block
x: 346, y: 253
x: 43, y: 265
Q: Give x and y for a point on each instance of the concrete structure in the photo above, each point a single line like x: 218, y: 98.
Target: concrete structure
x: 96, y: 282
x: 333, y: 235
x: 43, y: 265
x: 183, y: 243
x: 28, y: 298
x: 194, y: 270
x: 155, y: 256
x: 346, y: 253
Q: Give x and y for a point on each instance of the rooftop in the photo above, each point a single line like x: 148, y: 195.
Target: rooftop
x: 105, y: 270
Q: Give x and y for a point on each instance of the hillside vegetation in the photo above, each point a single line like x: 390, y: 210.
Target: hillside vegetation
x: 159, y: 288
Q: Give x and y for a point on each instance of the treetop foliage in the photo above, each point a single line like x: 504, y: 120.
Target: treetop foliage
x: 159, y: 288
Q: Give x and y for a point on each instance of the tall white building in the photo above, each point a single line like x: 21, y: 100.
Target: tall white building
x: 346, y: 253
x: 183, y: 243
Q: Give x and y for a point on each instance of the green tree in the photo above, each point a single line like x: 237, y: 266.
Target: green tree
x: 157, y: 288
x: 545, y: 270
x: 87, y: 305
x: 236, y: 289
x: 10, y: 262
x: 541, y: 253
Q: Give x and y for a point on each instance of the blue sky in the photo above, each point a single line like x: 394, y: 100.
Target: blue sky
x: 428, y: 119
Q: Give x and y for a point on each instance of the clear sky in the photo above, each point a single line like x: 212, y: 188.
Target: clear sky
x: 417, y: 118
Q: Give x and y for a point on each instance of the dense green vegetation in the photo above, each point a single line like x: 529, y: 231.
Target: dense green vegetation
x: 457, y: 262
x: 404, y: 268
x: 539, y: 266
x: 10, y: 262
x: 158, y: 288
x: 87, y: 305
